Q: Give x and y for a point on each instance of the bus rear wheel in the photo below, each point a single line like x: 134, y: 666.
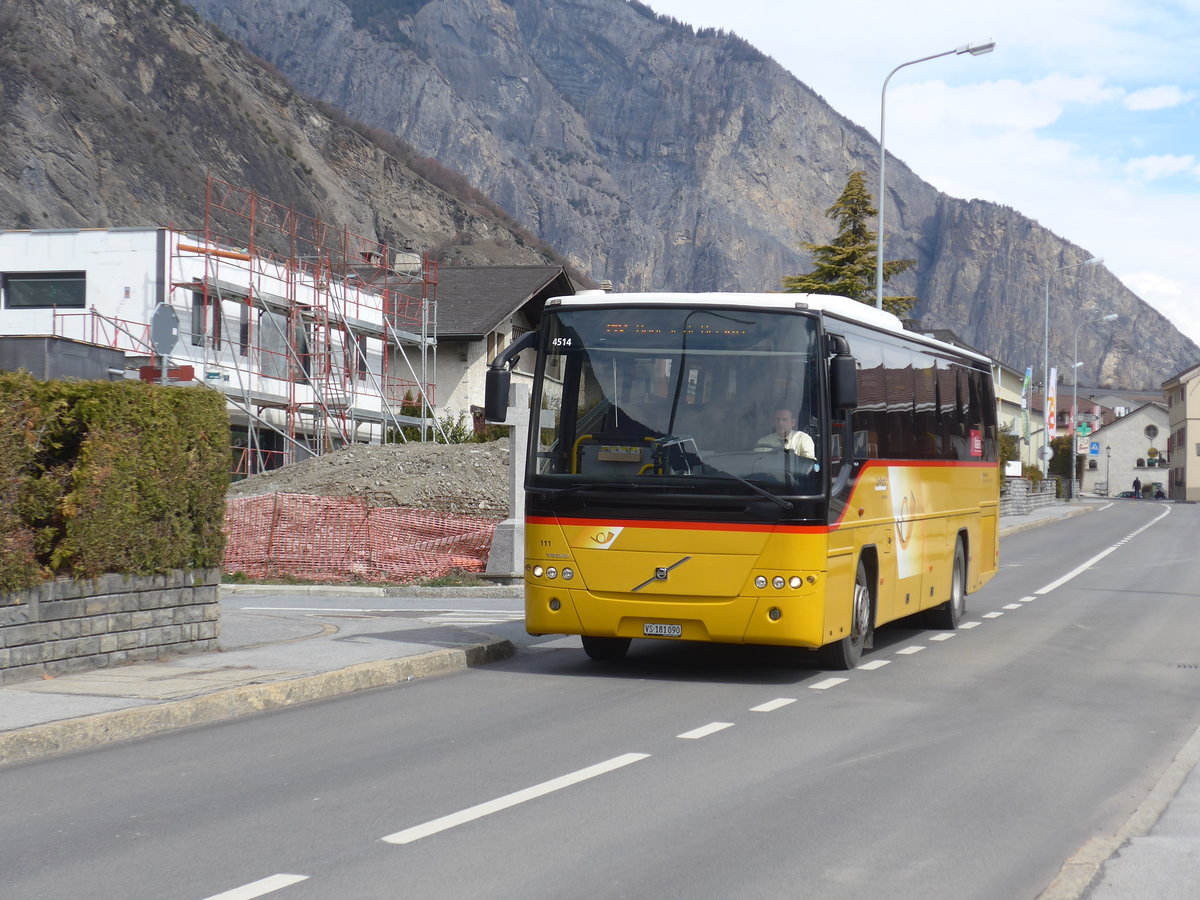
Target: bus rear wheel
x: 950, y: 613
x: 605, y: 648
x: 846, y: 653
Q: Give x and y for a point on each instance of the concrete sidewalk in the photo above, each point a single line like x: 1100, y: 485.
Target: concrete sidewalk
x: 268, y: 661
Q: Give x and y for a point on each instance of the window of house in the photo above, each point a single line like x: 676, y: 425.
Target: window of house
x: 44, y: 290
x: 206, y: 320
x: 244, y: 328
x: 1091, y: 464
x: 355, y: 349
x: 1141, y: 463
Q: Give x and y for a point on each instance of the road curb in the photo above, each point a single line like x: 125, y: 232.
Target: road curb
x: 87, y: 732
x: 1005, y: 531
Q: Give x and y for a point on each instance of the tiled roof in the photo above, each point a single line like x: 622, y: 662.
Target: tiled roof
x: 473, y: 300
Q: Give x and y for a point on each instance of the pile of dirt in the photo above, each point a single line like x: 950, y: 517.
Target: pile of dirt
x: 468, y: 479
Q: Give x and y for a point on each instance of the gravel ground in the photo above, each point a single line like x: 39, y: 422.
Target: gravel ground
x: 469, y: 479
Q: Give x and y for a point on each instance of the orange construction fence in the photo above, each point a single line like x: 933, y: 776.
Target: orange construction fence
x: 339, y: 539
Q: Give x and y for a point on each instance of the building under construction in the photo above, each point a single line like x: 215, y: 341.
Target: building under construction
x: 316, y: 336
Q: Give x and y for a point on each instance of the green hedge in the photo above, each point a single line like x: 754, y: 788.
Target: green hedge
x: 103, y: 476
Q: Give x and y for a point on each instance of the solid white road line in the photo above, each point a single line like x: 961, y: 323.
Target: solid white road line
x: 772, y: 705
x: 704, y: 731
x: 408, y: 835
x: 260, y: 887
x: 1099, y: 556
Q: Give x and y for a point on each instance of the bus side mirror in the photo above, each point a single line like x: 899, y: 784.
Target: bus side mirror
x: 843, y: 382
x: 499, y: 377
x: 495, y: 394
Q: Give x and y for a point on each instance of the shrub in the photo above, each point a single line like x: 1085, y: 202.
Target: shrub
x: 102, y: 477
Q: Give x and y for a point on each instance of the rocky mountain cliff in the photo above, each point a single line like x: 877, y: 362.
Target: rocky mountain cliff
x: 645, y: 152
x: 112, y: 113
x: 662, y: 158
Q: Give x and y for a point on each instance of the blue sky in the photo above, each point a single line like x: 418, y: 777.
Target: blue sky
x: 1086, y: 117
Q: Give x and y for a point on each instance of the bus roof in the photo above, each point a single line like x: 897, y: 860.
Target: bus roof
x: 831, y: 304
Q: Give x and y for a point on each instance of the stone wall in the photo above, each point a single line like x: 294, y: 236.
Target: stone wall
x: 1018, y: 496
x: 67, y: 626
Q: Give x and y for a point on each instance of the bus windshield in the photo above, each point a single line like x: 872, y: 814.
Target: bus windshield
x: 673, y: 395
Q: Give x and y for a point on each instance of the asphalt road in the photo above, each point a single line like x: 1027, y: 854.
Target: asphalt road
x: 970, y: 764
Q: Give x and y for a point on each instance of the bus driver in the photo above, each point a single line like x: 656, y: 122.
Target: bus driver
x: 786, y: 437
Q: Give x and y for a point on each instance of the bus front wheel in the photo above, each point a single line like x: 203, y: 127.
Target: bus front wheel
x: 605, y: 648
x: 845, y: 654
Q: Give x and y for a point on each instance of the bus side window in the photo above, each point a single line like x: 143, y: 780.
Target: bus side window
x: 869, y: 420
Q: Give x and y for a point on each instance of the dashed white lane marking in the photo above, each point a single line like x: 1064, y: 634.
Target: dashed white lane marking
x: 875, y: 664
x: 704, y: 731
x: 909, y: 651
x: 408, y: 835
x: 1012, y: 606
x: 966, y: 626
x: 772, y: 705
x: 944, y: 636
x: 1027, y: 599
x: 259, y: 888
x: 993, y: 615
x: 827, y: 684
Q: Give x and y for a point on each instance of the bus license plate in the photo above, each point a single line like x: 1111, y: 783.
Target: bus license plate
x: 656, y: 629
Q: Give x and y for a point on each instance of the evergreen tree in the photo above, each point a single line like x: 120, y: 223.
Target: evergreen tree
x: 847, y: 266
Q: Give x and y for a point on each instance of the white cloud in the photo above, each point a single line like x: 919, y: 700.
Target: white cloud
x: 1003, y: 104
x: 1150, y: 168
x: 1165, y: 96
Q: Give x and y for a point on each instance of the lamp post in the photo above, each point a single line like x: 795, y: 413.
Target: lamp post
x: 1094, y: 261
x: 1107, y: 465
x: 1111, y: 317
x: 975, y: 50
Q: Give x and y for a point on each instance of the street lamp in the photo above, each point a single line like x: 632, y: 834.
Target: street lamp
x: 1111, y: 317
x: 1094, y: 261
x: 975, y: 50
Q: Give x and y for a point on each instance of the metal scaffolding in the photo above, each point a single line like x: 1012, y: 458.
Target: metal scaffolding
x: 318, y: 336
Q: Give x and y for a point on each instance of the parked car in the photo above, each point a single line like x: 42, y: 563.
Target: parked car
x: 1128, y: 495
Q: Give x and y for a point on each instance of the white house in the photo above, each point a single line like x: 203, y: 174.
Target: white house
x: 1133, y: 446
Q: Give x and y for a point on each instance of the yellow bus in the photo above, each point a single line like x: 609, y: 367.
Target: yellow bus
x: 775, y: 469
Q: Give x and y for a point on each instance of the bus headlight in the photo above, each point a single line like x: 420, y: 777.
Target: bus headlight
x: 538, y: 571
x: 552, y: 572
x: 777, y: 582
x: 568, y: 574
x: 794, y: 582
x: 760, y: 582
